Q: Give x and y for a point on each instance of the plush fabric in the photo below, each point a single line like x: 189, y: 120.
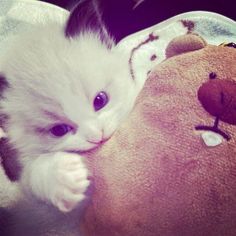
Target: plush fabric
x: 156, y: 176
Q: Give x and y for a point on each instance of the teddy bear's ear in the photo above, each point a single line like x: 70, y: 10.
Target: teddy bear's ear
x: 185, y: 43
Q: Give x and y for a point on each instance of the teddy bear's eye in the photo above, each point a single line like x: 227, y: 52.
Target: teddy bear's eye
x: 232, y: 45
x: 212, y: 75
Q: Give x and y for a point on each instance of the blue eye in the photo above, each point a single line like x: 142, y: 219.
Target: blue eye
x: 60, y: 130
x: 100, y: 101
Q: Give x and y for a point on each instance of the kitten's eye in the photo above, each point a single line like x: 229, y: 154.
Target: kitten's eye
x: 100, y: 101
x: 60, y: 130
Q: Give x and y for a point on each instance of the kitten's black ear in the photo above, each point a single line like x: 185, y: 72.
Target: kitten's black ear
x: 87, y: 17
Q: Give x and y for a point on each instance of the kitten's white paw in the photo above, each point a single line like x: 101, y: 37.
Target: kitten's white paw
x: 70, y: 181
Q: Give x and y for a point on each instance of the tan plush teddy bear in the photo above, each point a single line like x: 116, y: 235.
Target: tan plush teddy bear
x: 170, y: 170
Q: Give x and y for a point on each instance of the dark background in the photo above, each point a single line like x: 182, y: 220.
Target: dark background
x: 120, y: 17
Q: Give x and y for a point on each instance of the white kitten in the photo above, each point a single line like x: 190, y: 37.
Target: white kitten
x: 68, y: 90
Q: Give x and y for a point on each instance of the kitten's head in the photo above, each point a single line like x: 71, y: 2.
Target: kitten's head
x: 68, y: 90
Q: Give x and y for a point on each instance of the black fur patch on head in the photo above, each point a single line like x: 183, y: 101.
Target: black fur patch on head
x: 10, y: 162
x: 87, y: 16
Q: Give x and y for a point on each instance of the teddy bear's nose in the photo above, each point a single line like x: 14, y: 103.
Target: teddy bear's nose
x: 218, y: 97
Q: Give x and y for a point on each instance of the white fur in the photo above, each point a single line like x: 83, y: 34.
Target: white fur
x: 50, y: 73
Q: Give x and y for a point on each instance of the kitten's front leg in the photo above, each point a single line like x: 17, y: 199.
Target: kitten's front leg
x: 60, y: 178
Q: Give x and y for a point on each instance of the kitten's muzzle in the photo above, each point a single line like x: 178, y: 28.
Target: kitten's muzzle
x: 100, y: 140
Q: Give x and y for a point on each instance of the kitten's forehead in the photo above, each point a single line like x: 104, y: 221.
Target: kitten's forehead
x: 46, y: 56
x: 44, y: 66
